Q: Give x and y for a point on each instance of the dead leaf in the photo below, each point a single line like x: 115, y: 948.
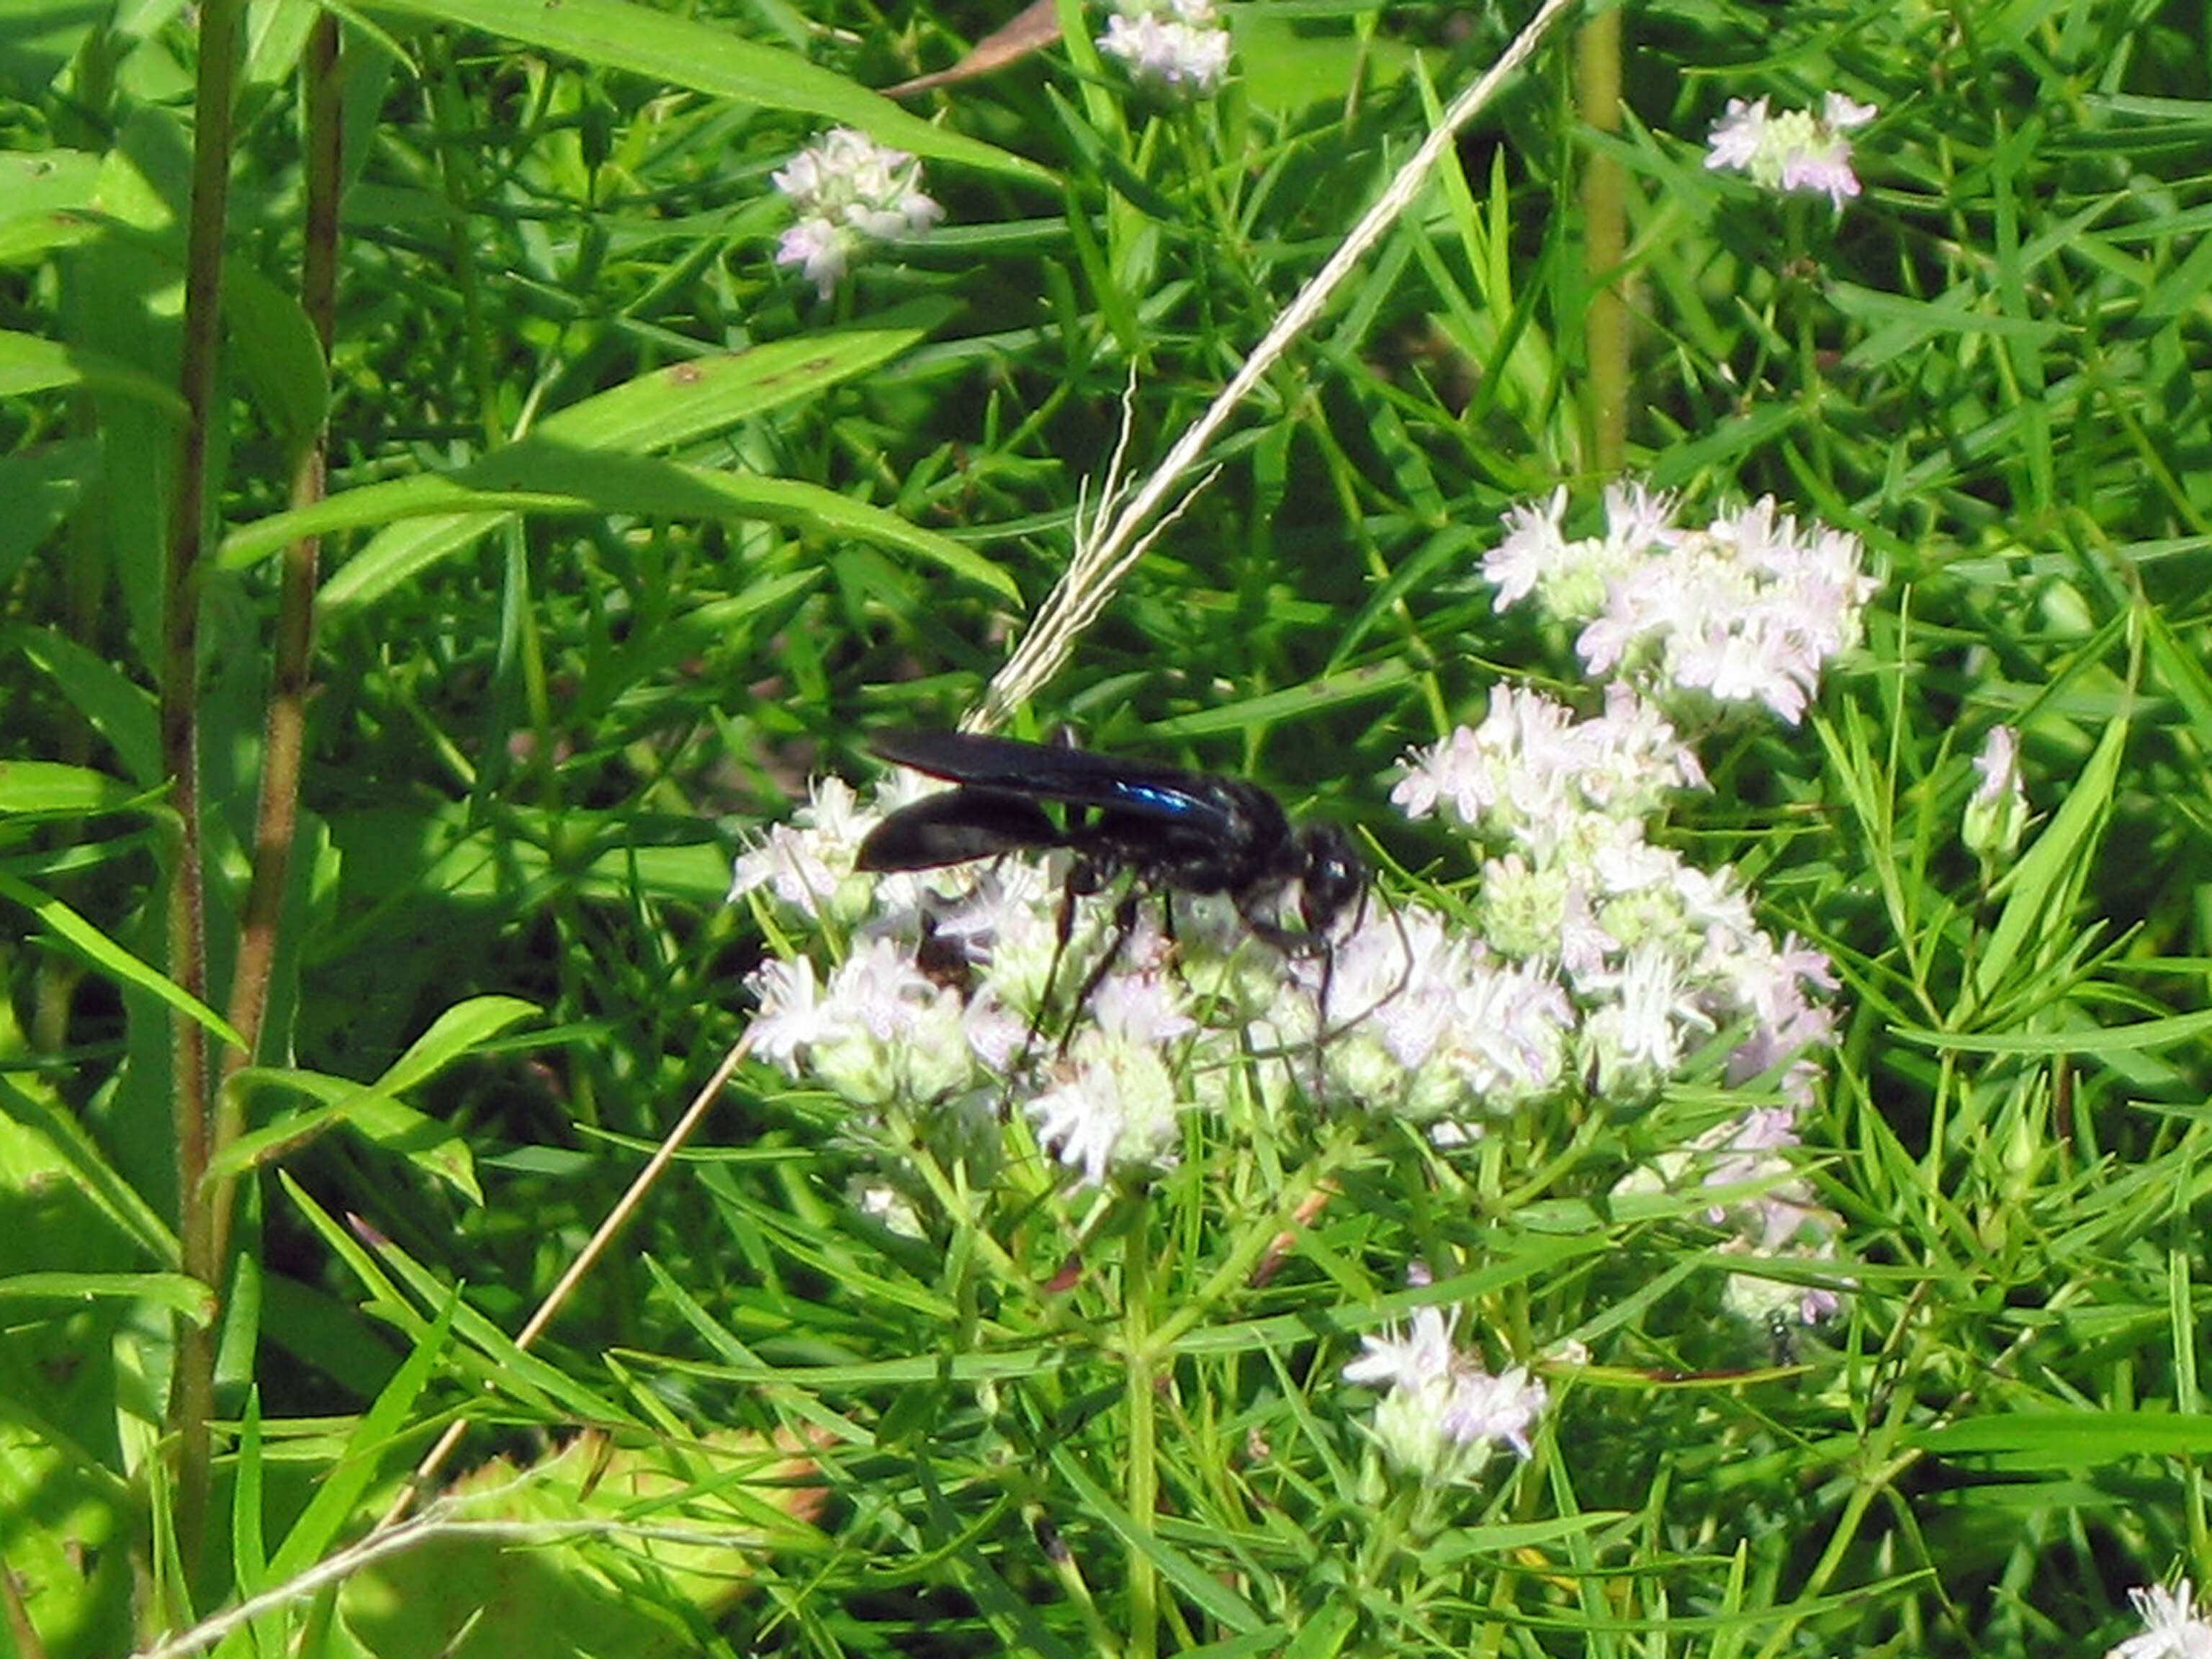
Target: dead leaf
x: 1036, y: 28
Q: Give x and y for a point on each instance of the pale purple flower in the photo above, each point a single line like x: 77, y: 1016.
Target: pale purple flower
x: 1583, y: 946
x: 1747, y: 608
x: 1531, y: 773
x: 1998, y: 765
x: 1142, y: 1008
x: 1570, y: 578
x: 1587, y: 958
x: 878, y: 1030
x: 1113, y: 1104
x: 1644, y: 897
x: 1773, y: 987
x: 1421, y: 1354
x: 1170, y: 48
x: 1003, y: 918
x: 1657, y: 955
x: 1504, y: 1408
x: 1779, y: 1219
x: 1442, y: 1412
x: 1508, y: 1043
x: 1795, y: 150
x: 2172, y: 1627
x: 804, y: 862
x: 850, y: 194
x: 822, y: 249
x: 1996, y: 813
x: 1735, y: 138
x: 1535, y: 545
x: 1113, y: 1107
x: 1424, y: 1024
x: 792, y: 1018
x: 1744, y: 1152
x: 1636, y: 1038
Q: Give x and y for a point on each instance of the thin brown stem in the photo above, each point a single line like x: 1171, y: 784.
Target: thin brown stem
x: 278, y: 813
x: 192, y: 1405
x: 587, y: 1259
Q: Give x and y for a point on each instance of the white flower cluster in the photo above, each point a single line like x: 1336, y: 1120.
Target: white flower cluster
x: 2172, y: 1627
x: 1653, y: 955
x: 806, y: 862
x: 1443, y: 1413
x: 1175, y: 49
x: 1794, y: 150
x: 1747, y: 608
x: 850, y: 194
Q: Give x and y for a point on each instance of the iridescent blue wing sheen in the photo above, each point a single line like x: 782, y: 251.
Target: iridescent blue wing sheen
x: 1131, y: 789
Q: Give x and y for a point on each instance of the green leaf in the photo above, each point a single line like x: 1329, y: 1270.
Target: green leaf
x: 1220, y: 1601
x: 2073, y: 1438
x: 249, y: 1545
x: 692, y: 1516
x: 433, y: 1147
x: 274, y: 344
x: 29, y: 363
x: 1909, y: 322
x: 462, y: 1028
x: 50, y: 789
x: 536, y: 476
x: 587, y: 459
x: 704, y: 395
x: 375, y: 1108
x: 536, y: 1384
x: 88, y: 1165
x: 678, y: 405
x: 178, y: 1292
x: 678, y: 52
x: 112, y: 958
x: 338, y: 1492
x: 44, y: 195
x: 2041, y: 880
x: 2137, y: 1036
x: 1280, y: 66
x: 42, y: 485
x: 113, y: 703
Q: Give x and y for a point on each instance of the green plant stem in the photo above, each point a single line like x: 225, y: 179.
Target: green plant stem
x: 1141, y: 1490
x: 191, y: 1401
x: 277, y: 814
x: 1605, y: 241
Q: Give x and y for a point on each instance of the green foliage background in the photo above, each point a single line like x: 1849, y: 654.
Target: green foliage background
x: 627, y: 536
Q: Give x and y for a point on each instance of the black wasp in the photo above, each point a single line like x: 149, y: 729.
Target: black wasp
x: 1191, y: 832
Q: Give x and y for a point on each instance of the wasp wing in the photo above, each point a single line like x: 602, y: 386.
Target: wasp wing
x: 1127, y: 788
x: 955, y: 827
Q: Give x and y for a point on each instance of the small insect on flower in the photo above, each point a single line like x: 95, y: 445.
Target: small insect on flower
x: 1190, y: 831
x: 1166, y: 828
